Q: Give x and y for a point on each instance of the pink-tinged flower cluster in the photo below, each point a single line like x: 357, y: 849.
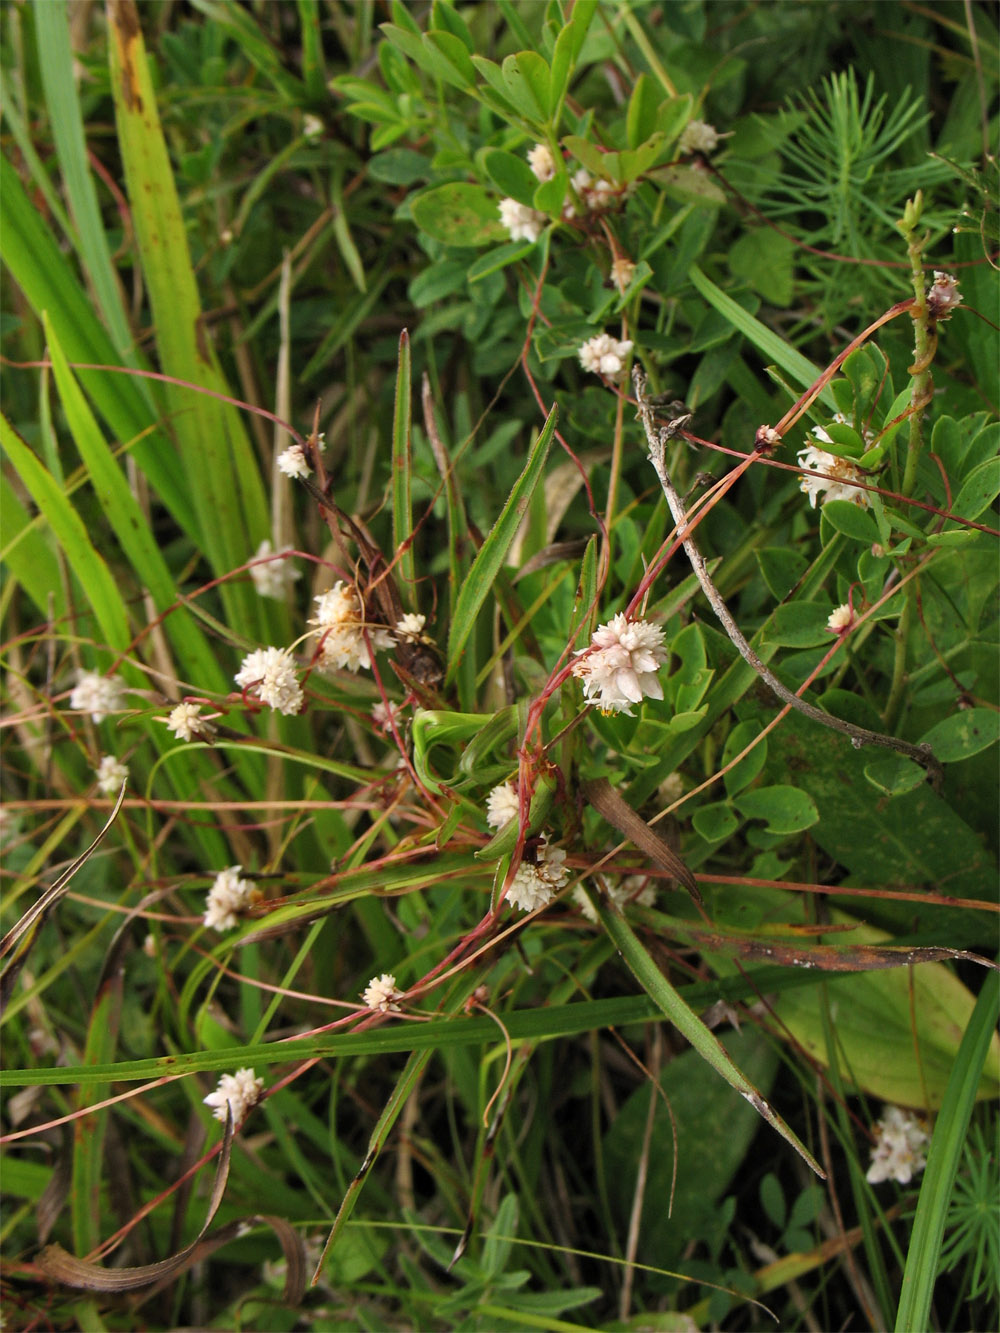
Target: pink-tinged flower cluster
x: 840, y: 620
x: 943, y: 296
x: 381, y: 994
x: 620, y: 669
x: 236, y: 1092
x: 97, y: 695
x: 270, y: 674
x: 604, y: 355
x: 898, y: 1155
x: 536, y: 885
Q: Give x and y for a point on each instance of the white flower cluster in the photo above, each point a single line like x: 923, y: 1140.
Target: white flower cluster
x: 527, y: 224
x: 698, y: 137
x: 381, y: 994
x: 635, y: 889
x: 385, y: 715
x: 502, y: 805
x: 228, y: 899
x: 536, y: 885
x: 604, y: 355
x: 111, y: 773
x: 270, y: 673
x: 897, y: 1155
x: 97, y: 695
x: 836, y: 484
x: 620, y: 668
x: 841, y: 619
x: 237, y: 1092
x: 187, y: 723
x: 275, y: 577
x: 293, y: 463
x: 943, y: 296
x: 340, y: 625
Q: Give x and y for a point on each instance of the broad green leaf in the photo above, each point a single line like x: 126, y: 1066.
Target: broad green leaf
x: 526, y: 78
x: 767, y: 342
x: 715, y: 822
x: 781, y: 569
x: 963, y: 734
x: 894, y: 775
x: 766, y: 259
x: 785, y: 809
x: 897, y: 1031
x: 447, y: 56
x: 511, y: 175
x: 850, y: 519
x: 743, y: 773
x: 799, y: 625
x: 489, y: 561
x: 459, y: 214
x: 979, y: 489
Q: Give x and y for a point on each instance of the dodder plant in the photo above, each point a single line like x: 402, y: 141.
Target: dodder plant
x: 405, y: 771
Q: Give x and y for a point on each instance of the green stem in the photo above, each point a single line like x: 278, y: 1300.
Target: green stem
x: 925, y: 341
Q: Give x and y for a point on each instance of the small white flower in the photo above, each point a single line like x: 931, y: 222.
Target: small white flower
x: 149, y: 946
x: 943, y: 296
x: 766, y: 438
x: 270, y: 672
x: 381, y: 994
x: 897, y: 1155
x: 604, y: 355
x: 501, y: 805
x: 623, y: 670
x: 411, y: 627
x: 228, y: 899
x: 836, y: 485
x: 841, y: 619
x: 312, y: 127
x: 635, y: 889
x: 187, y: 724
x: 97, y: 695
x: 536, y: 885
x: 698, y: 137
x: 383, y: 714
x: 541, y: 162
x: 671, y: 789
x: 236, y: 1092
x: 111, y: 773
x: 523, y: 223
x: 341, y: 628
x: 275, y: 577
x: 600, y: 195
x: 622, y: 273
x: 292, y: 462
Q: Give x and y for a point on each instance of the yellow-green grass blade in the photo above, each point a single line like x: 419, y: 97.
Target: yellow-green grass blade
x: 659, y: 989
x: 55, y: 64
x: 49, y: 284
x: 490, y: 558
x: 95, y: 579
x: 770, y: 346
x: 215, y: 451
x: 28, y: 555
x: 129, y: 524
x: 402, y: 478
x: 950, y: 1129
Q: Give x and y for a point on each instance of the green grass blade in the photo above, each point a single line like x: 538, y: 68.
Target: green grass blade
x: 55, y: 63
x: 129, y: 523
x: 49, y: 284
x: 402, y: 476
x: 215, y: 452
x: 96, y: 580
x: 490, y: 558
x: 312, y: 50
x: 943, y: 1158
x: 765, y: 340
x: 28, y: 555
x: 659, y: 989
